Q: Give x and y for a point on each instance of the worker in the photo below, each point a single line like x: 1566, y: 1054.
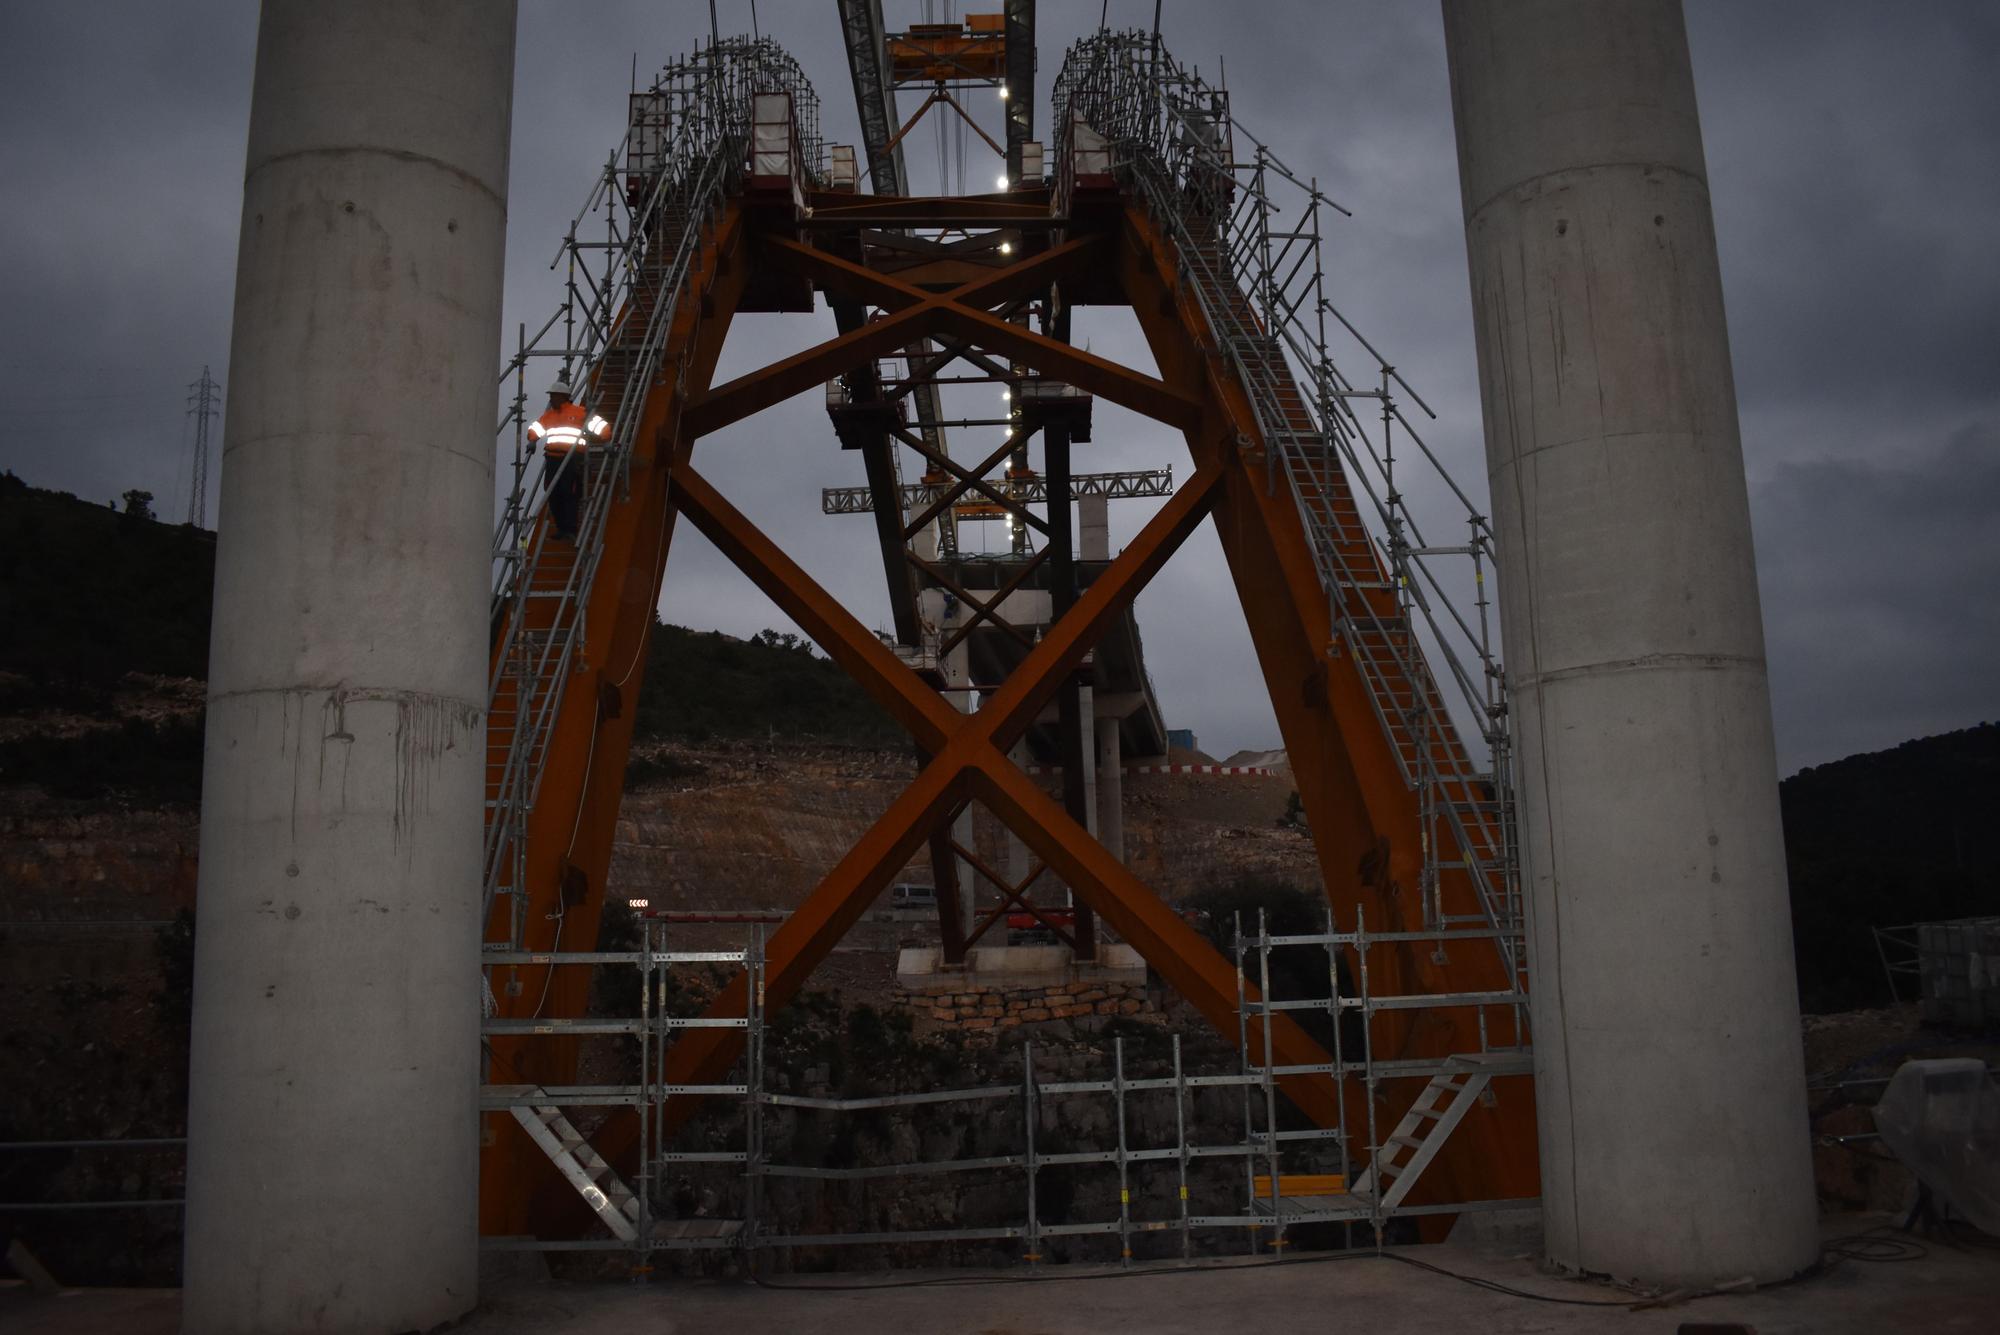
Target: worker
x: 566, y: 429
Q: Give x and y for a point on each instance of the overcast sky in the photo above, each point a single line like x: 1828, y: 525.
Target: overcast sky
x: 1854, y: 159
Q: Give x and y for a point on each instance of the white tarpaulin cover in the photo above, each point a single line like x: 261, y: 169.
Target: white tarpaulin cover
x: 1942, y: 1119
x: 771, y: 134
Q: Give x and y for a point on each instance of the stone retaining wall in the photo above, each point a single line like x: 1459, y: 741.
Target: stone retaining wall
x: 994, y: 1008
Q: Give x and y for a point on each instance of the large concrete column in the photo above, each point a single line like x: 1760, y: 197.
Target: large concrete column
x: 956, y: 670
x: 1093, y: 528
x: 1110, y: 786
x: 1666, y: 1026
x: 332, y: 1156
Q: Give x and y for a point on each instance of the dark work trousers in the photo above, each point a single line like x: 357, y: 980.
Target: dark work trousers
x: 565, y: 484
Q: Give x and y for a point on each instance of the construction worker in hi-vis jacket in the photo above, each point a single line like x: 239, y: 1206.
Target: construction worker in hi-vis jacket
x: 566, y: 429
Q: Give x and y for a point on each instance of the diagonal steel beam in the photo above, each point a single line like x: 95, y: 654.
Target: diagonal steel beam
x: 748, y: 394
x: 1181, y: 955
x: 982, y: 611
x: 965, y: 483
x: 1060, y: 361
x: 969, y: 741
x: 1014, y: 581
x: 973, y: 479
x: 925, y: 312
x: 874, y: 91
x: 865, y: 658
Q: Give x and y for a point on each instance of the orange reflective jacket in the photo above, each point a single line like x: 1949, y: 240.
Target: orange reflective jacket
x: 569, y: 427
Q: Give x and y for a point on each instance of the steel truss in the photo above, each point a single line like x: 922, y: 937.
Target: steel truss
x: 1409, y: 832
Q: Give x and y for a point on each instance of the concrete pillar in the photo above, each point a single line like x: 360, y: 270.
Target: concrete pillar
x: 1110, y: 787
x: 1093, y: 528
x: 1086, y: 702
x: 1670, y: 1077
x: 1018, y: 859
x: 956, y: 669
x: 332, y: 1123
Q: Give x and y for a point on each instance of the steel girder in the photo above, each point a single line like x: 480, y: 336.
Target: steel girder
x: 1020, y: 29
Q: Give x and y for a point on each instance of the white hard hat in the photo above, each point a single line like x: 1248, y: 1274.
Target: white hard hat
x: 560, y: 387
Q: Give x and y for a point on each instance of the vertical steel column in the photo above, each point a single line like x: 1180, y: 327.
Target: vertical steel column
x: 1124, y: 1179
x: 1069, y: 703
x: 1270, y: 1086
x: 646, y: 1111
x: 753, y: 1087
x: 1181, y: 1141
x: 1243, y: 1080
x: 1029, y: 1156
x: 1368, y: 1072
x: 1020, y: 37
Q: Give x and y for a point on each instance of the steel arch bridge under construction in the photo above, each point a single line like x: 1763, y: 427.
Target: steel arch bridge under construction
x: 1149, y: 196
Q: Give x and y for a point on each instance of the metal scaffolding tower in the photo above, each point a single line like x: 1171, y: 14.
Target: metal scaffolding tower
x: 722, y: 200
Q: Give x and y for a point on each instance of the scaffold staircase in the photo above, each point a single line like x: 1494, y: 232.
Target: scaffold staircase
x: 654, y: 200
x: 1254, y: 270
x: 594, y: 1179
x: 1400, y: 1161
x: 1371, y: 625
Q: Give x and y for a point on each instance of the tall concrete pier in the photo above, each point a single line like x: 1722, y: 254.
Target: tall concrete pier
x: 1671, y: 1084
x: 332, y: 1120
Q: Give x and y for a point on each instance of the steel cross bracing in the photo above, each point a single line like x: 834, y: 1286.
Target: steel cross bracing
x: 875, y: 77
x: 1094, y: 242
x: 1247, y: 243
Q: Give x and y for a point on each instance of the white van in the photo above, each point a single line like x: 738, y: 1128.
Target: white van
x: 907, y: 896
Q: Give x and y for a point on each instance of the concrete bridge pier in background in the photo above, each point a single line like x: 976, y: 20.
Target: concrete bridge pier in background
x: 1670, y: 1079
x: 332, y: 1123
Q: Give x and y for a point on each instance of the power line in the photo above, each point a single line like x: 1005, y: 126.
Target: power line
x: 204, y: 406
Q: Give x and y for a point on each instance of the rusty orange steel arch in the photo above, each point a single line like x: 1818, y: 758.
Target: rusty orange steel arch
x: 1365, y: 819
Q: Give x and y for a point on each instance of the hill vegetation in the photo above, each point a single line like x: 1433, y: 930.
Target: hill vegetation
x: 1889, y: 837
x: 703, y: 685
x: 90, y: 594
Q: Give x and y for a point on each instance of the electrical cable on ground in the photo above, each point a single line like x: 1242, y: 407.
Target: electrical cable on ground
x: 950, y: 1281
x: 1875, y: 1246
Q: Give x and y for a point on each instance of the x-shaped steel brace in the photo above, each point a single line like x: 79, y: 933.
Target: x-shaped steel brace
x: 968, y: 759
x: 1010, y: 895
x: 970, y: 479
x: 982, y: 610
x: 963, y: 314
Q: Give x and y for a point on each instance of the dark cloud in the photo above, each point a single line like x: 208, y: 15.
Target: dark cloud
x: 1850, y: 153
x: 1880, y: 604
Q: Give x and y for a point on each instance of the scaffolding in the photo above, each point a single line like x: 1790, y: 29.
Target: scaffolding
x: 1235, y: 236
x: 1258, y: 1189
x: 1246, y: 231
x: 626, y: 260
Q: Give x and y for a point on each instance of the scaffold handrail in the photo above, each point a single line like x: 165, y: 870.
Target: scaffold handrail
x: 627, y: 257
x: 1246, y: 229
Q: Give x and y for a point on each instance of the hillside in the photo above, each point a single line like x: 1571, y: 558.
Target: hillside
x: 89, y: 593
x: 704, y: 685
x: 104, y: 622
x: 1890, y: 837
x: 104, y: 637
